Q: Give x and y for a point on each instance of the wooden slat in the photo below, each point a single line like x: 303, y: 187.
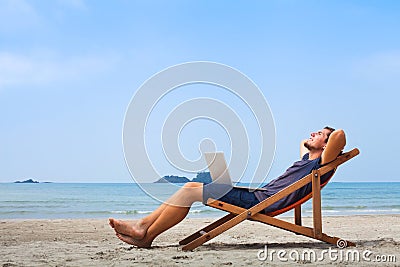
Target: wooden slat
x: 216, y: 231
x: 280, y: 194
x: 206, y: 229
x: 297, y: 215
x: 316, y: 203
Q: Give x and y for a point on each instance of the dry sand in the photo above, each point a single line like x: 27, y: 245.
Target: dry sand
x: 91, y: 242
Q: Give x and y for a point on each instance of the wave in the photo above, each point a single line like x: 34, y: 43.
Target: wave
x: 128, y: 212
x: 125, y: 212
x: 360, y: 207
x: 191, y: 211
x: 344, y: 207
x: 355, y: 211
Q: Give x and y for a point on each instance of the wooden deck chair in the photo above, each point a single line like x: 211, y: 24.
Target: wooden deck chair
x: 238, y: 214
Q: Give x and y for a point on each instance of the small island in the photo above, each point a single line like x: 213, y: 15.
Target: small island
x: 173, y: 179
x: 202, y: 177
x: 29, y: 181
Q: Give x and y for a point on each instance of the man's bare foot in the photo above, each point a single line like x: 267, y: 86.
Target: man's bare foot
x: 134, y: 230
x: 143, y: 243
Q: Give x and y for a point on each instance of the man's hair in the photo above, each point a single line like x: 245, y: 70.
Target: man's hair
x: 330, y: 131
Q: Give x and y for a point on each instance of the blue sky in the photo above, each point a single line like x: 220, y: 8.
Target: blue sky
x: 68, y: 70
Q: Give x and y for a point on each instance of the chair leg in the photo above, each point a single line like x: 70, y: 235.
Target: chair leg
x: 216, y: 231
x: 297, y: 215
x: 316, y: 203
x: 206, y: 229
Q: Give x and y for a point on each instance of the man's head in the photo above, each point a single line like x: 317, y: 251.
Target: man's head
x: 319, y: 139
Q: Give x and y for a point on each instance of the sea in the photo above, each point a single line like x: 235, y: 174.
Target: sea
x: 130, y: 201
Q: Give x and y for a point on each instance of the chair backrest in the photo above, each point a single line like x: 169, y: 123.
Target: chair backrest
x: 339, y: 160
x: 299, y: 202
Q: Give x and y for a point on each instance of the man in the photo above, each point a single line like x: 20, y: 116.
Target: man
x: 322, y: 147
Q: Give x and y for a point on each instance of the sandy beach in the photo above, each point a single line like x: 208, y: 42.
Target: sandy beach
x: 91, y: 242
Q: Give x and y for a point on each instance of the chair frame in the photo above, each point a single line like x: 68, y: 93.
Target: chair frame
x: 237, y: 214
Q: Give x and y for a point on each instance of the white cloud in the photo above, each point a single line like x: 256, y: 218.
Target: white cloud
x: 16, y: 69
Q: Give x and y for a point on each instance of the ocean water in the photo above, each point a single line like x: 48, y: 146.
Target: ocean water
x: 79, y: 200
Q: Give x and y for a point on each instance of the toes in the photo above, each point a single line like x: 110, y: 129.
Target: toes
x: 111, y: 222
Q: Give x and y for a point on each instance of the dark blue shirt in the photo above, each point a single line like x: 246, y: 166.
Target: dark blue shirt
x: 294, y: 173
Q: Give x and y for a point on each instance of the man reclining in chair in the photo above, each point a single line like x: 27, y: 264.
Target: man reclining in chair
x: 322, y: 147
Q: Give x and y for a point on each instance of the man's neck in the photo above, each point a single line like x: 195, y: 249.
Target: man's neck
x: 314, y: 154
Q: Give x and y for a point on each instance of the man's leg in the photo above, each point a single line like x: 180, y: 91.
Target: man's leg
x: 166, y: 216
x: 137, y: 229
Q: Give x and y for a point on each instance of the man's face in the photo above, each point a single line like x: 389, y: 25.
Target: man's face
x: 317, y: 140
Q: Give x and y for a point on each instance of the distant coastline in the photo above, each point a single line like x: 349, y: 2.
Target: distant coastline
x: 201, y: 177
x: 30, y: 181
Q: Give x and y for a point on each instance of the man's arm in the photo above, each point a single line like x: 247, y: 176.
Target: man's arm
x: 336, y: 143
x: 303, y: 149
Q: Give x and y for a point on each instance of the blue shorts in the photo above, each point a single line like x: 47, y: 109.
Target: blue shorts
x: 236, y: 196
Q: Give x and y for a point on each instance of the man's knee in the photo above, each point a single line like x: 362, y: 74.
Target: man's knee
x: 193, y: 191
x: 193, y: 185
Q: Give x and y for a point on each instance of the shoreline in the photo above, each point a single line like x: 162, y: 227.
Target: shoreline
x: 91, y: 242
x: 217, y: 214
